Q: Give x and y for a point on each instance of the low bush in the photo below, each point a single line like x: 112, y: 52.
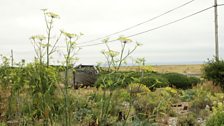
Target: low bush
x: 136, y: 88
x: 216, y: 120
x: 151, y: 79
x: 181, y: 81
x: 214, y: 71
x: 154, y: 81
x: 118, y: 79
x: 187, y: 120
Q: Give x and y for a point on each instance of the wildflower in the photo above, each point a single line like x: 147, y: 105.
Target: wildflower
x: 124, y: 39
x: 69, y: 35
x: 39, y: 37
x: 172, y: 90
x: 112, y: 53
x: 32, y: 37
x: 52, y: 15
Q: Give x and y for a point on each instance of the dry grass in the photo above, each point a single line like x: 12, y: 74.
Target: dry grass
x: 186, y: 69
x: 209, y: 86
x: 193, y: 69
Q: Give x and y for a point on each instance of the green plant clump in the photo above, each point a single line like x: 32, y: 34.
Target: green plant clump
x: 154, y: 81
x: 216, y: 120
x: 214, y: 71
x: 181, y: 81
x: 118, y: 79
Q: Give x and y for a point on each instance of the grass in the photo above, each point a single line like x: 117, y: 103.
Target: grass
x: 188, y: 68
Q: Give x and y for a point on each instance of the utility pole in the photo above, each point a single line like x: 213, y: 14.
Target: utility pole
x: 216, y: 31
x: 12, y: 58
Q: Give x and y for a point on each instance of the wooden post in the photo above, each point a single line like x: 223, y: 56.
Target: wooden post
x: 12, y: 58
x: 216, y: 31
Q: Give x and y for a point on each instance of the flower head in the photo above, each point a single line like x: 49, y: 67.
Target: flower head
x: 69, y: 35
x: 52, y: 15
x: 39, y: 37
x: 111, y: 53
x: 124, y: 39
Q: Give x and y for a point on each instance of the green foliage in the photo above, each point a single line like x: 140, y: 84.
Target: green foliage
x: 214, y: 71
x: 114, y: 59
x: 153, y: 81
x: 150, y: 79
x: 187, y: 120
x: 2, y: 124
x: 136, y: 88
x: 181, y: 81
x: 5, y: 72
x: 216, y: 120
x: 116, y: 79
x: 148, y: 106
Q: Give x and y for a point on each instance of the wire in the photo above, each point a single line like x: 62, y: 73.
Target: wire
x: 149, y: 20
x: 220, y: 5
x: 171, y: 22
x: 161, y: 26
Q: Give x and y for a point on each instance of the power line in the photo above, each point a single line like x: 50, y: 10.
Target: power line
x: 158, y: 27
x: 149, y: 20
x: 220, y: 5
x: 171, y: 22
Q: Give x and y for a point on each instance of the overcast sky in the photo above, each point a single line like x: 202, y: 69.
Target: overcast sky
x: 188, y: 41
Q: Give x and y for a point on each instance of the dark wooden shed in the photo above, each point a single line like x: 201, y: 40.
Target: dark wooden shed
x: 85, y: 75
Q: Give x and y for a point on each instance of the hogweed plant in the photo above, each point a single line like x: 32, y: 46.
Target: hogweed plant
x: 39, y: 46
x: 114, y: 60
x: 70, y: 59
x: 45, y: 45
x: 50, y: 17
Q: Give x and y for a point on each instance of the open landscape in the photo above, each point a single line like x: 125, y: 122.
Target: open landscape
x: 184, y: 69
x: 138, y: 96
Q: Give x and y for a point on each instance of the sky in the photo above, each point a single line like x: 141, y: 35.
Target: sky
x: 187, y: 42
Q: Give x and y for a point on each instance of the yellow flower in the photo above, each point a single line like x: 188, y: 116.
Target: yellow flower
x: 52, y: 15
x: 111, y: 53
x: 39, y: 37
x: 146, y: 68
x: 69, y: 35
x: 172, y: 90
x: 124, y: 39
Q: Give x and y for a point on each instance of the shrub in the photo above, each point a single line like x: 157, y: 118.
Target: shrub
x: 135, y: 88
x: 214, y: 71
x: 154, y: 81
x: 187, y: 120
x: 216, y: 120
x: 118, y: 79
x: 194, y: 80
x: 181, y: 81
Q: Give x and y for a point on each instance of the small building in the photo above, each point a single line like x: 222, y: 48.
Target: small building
x: 85, y: 75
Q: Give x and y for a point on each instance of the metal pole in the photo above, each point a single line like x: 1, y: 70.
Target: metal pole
x: 216, y: 31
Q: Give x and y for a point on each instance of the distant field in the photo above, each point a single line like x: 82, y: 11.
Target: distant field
x: 185, y: 69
